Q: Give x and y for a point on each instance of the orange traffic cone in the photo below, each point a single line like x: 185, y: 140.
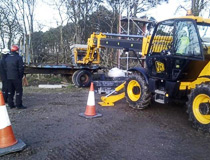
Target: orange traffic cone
x: 90, y: 111
x: 8, y: 142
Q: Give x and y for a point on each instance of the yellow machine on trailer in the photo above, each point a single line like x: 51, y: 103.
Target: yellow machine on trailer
x: 89, y: 56
x: 177, y: 68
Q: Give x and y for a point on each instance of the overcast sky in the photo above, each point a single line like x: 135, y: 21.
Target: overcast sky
x: 48, y: 16
x: 167, y: 10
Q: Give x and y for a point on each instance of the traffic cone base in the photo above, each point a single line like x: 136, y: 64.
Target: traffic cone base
x: 90, y: 112
x: 19, y: 146
x: 89, y: 117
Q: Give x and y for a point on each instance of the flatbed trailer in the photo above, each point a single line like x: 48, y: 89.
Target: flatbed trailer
x: 81, y: 75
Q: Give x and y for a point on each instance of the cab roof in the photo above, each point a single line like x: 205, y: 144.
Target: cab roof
x: 199, y: 20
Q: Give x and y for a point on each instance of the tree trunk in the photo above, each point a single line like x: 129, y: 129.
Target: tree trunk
x: 197, y: 6
x: 62, y: 45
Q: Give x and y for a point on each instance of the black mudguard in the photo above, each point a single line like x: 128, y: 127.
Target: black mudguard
x: 141, y: 70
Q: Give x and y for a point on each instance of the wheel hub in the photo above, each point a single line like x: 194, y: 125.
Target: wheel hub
x: 83, y: 78
x: 201, y: 108
x: 136, y: 90
x: 204, y: 108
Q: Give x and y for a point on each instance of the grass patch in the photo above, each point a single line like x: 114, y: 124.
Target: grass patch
x: 36, y: 79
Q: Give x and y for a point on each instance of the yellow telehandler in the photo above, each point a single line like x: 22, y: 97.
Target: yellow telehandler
x: 177, y: 68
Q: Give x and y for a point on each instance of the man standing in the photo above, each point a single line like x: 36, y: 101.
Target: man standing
x: 3, y: 74
x: 15, y: 71
x: 183, y: 43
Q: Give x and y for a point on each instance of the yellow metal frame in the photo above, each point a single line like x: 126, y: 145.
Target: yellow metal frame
x: 159, y: 43
x: 92, y: 54
x: 110, y: 99
x: 145, y: 45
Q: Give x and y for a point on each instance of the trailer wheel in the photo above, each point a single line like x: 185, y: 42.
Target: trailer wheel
x: 83, y: 78
x: 137, y: 93
x: 73, y: 78
x: 198, y: 107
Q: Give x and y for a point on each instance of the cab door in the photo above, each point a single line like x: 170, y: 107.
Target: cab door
x: 187, y: 47
x: 173, y: 45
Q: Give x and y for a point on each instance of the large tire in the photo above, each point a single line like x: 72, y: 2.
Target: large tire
x: 74, y: 77
x: 198, y: 107
x: 83, y: 78
x: 136, y: 92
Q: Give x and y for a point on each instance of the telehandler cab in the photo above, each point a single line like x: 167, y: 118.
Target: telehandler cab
x: 177, y: 68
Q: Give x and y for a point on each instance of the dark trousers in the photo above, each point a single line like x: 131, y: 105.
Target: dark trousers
x: 5, y: 89
x: 15, y: 87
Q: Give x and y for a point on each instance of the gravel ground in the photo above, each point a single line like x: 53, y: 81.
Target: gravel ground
x: 52, y: 129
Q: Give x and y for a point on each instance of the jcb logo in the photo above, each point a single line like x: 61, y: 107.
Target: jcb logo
x: 159, y: 67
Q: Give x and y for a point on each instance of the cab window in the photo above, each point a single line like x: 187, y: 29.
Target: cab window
x: 204, y: 31
x: 186, y: 42
x: 163, y: 37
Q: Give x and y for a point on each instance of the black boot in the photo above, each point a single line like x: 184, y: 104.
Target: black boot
x: 21, y: 107
x: 11, y: 107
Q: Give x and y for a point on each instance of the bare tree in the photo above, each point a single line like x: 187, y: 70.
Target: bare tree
x: 78, y: 12
x: 60, y: 7
x: 26, y: 10
x: 198, y: 6
x: 10, y: 27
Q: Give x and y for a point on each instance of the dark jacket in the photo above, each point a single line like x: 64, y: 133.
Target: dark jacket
x: 2, y: 67
x: 14, y: 66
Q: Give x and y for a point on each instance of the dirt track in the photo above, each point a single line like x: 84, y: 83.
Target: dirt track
x: 53, y: 130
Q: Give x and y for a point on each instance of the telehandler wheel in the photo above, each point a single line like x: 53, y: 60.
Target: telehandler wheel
x: 198, y: 107
x: 137, y: 93
x: 74, y: 77
x: 83, y: 78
